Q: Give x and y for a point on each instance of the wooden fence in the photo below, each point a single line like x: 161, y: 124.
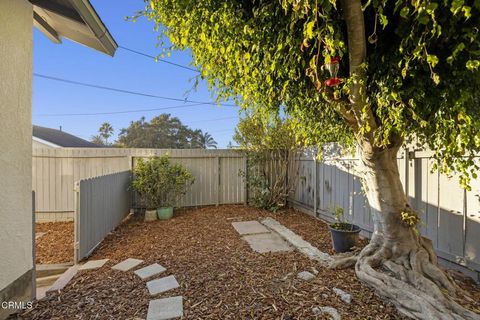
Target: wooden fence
x: 101, y: 204
x: 216, y: 173
x: 55, y: 172
x: 450, y: 215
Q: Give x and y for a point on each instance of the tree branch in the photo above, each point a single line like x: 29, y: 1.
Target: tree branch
x: 357, y: 48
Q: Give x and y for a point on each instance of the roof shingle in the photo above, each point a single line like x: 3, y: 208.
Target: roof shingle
x: 61, y: 138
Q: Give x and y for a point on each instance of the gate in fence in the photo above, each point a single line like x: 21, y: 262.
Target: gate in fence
x: 101, y: 204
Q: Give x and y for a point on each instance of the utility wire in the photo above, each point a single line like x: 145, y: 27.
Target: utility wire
x: 158, y: 59
x: 90, y: 85
x: 114, y: 112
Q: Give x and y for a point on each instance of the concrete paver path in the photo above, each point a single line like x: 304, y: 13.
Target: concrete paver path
x: 93, y: 264
x: 149, y: 271
x: 127, y: 264
x: 166, y: 308
x: 161, y: 285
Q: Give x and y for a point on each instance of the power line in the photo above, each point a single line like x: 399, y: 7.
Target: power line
x: 90, y: 85
x: 115, y: 112
x: 156, y: 58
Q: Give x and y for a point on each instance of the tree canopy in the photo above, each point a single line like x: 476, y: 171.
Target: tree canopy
x: 407, y: 71
x: 259, y: 133
x: 104, y: 133
x: 163, y: 131
x: 420, y: 76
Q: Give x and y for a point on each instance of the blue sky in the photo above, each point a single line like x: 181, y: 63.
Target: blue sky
x: 127, y: 71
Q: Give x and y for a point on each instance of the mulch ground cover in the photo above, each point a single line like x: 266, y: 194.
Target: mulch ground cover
x: 220, y: 276
x: 56, y: 245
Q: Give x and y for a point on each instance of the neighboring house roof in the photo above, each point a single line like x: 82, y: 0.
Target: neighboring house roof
x: 75, y: 20
x: 61, y: 138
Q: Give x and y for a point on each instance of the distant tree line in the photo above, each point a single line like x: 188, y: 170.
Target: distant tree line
x: 161, y: 132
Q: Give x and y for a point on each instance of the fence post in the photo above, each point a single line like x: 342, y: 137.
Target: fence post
x: 217, y: 160
x: 76, y: 223
x: 245, y: 181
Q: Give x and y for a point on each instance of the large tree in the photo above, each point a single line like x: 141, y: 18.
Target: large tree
x: 163, y: 131
x: 408, y: 69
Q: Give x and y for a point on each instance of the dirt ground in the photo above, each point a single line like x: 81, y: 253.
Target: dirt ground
x: 220, y: 276
x: 56, y: 245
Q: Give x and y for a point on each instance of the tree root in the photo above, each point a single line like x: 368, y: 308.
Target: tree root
x: 411, y: 279
x: 344, y: 260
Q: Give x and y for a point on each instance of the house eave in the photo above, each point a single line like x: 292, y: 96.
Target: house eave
x: 76, y: 20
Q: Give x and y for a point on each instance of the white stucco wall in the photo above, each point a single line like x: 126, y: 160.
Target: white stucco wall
x: 15, y: 140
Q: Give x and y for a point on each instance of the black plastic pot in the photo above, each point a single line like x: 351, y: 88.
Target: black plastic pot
x: 344, y: 240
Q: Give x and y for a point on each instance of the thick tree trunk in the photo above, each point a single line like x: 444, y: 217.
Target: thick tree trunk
x: 399, y: 263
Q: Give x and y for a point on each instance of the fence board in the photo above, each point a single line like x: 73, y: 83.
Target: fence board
x: 450, y: 215
x: 216, y: 172
x: 102, y: 203
x: 54, y: 172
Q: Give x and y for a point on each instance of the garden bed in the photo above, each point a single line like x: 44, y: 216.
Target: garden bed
x: 220, y: 276
x: 55, y: 242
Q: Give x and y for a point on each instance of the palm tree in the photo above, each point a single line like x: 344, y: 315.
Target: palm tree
x: 97, y: 139
x: 207, y: 141
x: 106, y: 131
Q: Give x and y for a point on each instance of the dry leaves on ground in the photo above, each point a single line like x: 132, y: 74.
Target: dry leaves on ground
x: 220, y: 276
x: 56, y: 245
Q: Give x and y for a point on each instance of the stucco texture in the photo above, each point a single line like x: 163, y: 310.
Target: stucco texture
x: 15, y: 140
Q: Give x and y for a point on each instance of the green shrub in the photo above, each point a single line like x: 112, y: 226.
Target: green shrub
x: 159, y: 182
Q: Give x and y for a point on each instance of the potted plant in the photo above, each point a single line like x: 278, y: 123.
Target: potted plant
x: 344, y: 235
x: 160, y: 184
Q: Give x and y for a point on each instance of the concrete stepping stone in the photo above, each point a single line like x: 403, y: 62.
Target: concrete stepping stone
x: 93, y: 264
x: 166, y: 308
x: 249, y: 227
x: 64, y: 279
x: 267, y: 242
x: 128, y: 264
x: 295, y: 240
x: 161, y: 285
x: 149, y: 271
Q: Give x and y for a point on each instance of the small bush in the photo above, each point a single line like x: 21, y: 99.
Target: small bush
x: 159, y: 182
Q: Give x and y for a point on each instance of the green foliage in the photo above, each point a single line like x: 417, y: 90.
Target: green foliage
x: 163, y: 131
x: 98, y: 140
x: 421, y: 73
x: 159, y: 182
x: 259, y: 186
x: 270, y: 147
x: 255, y: 132
x: 105, y: 131
x: 206, y: 140
x: 340, y: 222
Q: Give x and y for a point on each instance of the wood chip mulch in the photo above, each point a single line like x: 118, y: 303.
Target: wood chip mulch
x: 220, y: 276
x: 56, y: 245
